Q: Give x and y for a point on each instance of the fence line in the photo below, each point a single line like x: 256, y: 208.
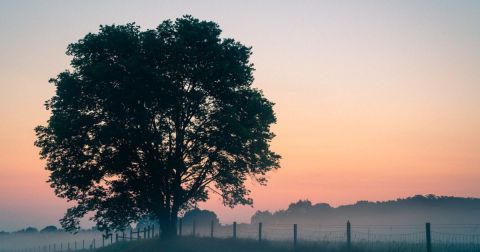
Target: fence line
x: 427, y: 237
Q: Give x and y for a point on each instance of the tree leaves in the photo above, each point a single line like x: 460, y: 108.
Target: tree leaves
x: 149, y: 122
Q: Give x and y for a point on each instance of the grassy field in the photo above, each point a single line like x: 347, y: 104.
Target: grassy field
x: 221, y: 245
x: 189, y: 244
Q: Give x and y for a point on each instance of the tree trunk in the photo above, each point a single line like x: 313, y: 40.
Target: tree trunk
x: 168, y: 226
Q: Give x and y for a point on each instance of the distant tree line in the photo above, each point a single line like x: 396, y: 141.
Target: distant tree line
x: 413, y: 210
x: 416, y: 209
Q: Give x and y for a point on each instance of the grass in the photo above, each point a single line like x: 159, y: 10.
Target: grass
x: 218, y: 245
x: 190, y: 244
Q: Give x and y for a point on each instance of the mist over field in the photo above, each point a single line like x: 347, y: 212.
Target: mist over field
x: 400, y: 220
x: 414, y: 210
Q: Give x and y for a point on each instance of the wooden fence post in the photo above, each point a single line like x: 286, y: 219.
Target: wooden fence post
x: 131, y: 234
x: 116, y: 237
x: 144, y: 233
x: 138, y: 233
x: 429, y: 237
x: 234, y: 230
x: 83, y: 244
x: 259, y: 231
x: 295, y: 236
x: 211, y: 229
x: 349, y: 235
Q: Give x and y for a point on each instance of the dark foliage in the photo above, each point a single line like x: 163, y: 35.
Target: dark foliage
x: 148, y: 123
x: 201, y: 218
x: 49, y: 229
x: 28, y: 230
x: 412, y: 210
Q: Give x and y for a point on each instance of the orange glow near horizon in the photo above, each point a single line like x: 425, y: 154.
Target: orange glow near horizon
x: 374, y: 102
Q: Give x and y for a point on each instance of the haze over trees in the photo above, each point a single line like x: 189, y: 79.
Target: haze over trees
x: 49, y: 229
x: 414, y: 210
x: 148, y: 123
x: 200, y: 217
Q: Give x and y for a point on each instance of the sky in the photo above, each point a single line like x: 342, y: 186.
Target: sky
x: 375, y: 100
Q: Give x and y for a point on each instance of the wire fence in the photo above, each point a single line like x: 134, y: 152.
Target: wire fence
x: 424, y: 237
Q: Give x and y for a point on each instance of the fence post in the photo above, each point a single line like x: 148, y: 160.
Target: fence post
x: 103, y: 241
x: 83, y: 244
x: 180, y: 227
x: 295, y: 236
x: 116, y: 237
x: 194, y: 228
x: 153, y: 230
x: 138, y: 233
x: 75, y: 245
x: 259, y: 231
x: 429, y: 237
x: 144, y: 233
x: 234, y: 230
x: 54, y: 247
x: 94, y: 245
x: 349, y: 235
x: 211, y: 229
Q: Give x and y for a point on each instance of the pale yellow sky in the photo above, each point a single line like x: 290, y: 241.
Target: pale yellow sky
x: 375, y: 99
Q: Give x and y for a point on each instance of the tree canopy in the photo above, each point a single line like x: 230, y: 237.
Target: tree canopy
x: 148, y: 123
x: 50, y: 228
x: 200, y: 217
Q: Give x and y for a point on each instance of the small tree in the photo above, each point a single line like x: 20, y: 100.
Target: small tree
x: 29, y: 230
x: 200, y: 217
x: 148, y: 123
x: 49, y: 229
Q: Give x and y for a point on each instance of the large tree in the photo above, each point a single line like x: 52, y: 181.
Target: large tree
x: 148, y: 123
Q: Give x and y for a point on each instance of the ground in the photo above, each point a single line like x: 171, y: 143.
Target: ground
x: 213, y: 245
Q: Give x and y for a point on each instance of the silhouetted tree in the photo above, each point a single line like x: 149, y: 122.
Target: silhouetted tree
x: 411, y: 210
x: 299, y: 206
x: 49, y: 229
x: 201, y: 218
x: 28, y: 230
x: 260, y: 216
x: 147, y: 123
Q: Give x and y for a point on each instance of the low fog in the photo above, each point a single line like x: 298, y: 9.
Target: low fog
x: 453, y: 219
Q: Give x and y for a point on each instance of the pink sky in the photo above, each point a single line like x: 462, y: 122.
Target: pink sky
x: 374, y: 101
